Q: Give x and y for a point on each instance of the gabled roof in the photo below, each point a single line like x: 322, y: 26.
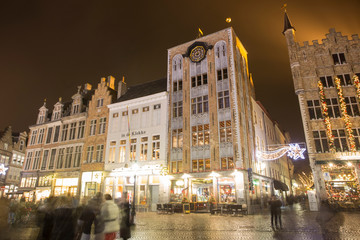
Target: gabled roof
x: 144, y: 89
x: 287, y: 23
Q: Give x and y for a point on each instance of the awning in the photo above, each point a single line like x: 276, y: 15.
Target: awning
x: 280, y: 186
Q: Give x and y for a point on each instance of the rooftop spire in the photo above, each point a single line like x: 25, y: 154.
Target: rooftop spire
x: 287, y: 22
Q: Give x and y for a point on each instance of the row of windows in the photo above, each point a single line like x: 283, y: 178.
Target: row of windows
x: 65, y: 158
x: 201, y: 165
x: 345, y: 80
x: 70, y: 131
x: 340, y: 140
x: 143, y: 151
x: 136, y: 110
x: 99, y: 155
x: 315, y: 112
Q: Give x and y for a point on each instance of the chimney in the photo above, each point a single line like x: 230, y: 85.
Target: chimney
x: 111, y: 82
x: 122, y: 88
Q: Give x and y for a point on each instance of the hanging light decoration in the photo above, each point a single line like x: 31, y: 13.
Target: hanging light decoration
x: 326, y: 117
x: 345, y: 115
x: 293, y: 151
x: 357, y: 85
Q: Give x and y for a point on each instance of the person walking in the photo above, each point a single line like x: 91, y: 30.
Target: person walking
x: 110, y: 217
x: 275, y: 210
x: 125, y: 231
x: 64, y: 221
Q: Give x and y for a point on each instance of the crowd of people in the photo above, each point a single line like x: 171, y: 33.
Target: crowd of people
x: 63, y: 218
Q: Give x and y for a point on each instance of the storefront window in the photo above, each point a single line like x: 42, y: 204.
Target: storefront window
x: 202, y: 188
x: 226, y: 190
x: 177, y: 190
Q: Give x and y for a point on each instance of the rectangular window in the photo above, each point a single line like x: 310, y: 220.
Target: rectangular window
x: 339, y: 58
x: 177, y: 138
x: 92, y: 127
x: 102, y: 125
x: 125, y: 113
x: 199, y: 80
x: 227, y: 163
x: 200, y: 135
x: 36, y: 164
x: 340, y: 140
x: 327, y: 81
x: 135, y: 111
x: 99, y: 153
x: 41, y: 136
x: 345, y: 79
x: 115, y: 115
x: 157, y: 106
x: 112, y: 155
x: 200, y: 165
x: 356, y: 133
x: 143, y: 149
x: 177, y: 109
x: 72, y: 131
x: 156, y: 147
x: 57, y: 133
x: 321, y: 141
x: 49, y: 135
x: 28, y: 160
x: 76, y: 108
x: 333, y: 107
x: 133, y: 149
x: 89, y: 154
x: 33, y: 137
x: 60, y: 160
x: 352, y: 107
x: 223, y: 99
x: 100, y: 102
x: 199, y: 105
x: 68, y: 157
x: 77, y: 157
x: 81, y: 129
x: 222, y: 74
x: 225, y: 131
x: 64, y: 132
x: 314, y: 109
x: 52, y: 159
x: 176, y: 167
x: 44, y: 160
x: 122, y: 151
x: 146, y: 109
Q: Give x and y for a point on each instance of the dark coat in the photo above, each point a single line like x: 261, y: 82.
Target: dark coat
x: 275, y: 206
x: 125, y: 231
x: 64, y: 224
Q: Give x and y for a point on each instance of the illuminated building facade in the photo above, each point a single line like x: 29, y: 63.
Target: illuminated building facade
x: 93, y: 157
x: 326, y: 82
x: 211, y: 134
x: 136, y: 148
x: 12, y: 155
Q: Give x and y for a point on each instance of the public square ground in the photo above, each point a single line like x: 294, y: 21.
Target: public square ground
x: 298, y: 223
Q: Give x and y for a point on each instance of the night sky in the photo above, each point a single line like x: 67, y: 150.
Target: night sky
x: 48, y: 48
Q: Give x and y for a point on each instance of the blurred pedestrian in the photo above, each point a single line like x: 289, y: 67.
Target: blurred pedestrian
x: 275, y: 209
x: 64, y: 219
x: 125, y: 231
x: 91, y: 215
x: 110, y: 216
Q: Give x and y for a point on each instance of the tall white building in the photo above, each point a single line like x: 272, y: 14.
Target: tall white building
x: 136, y: 148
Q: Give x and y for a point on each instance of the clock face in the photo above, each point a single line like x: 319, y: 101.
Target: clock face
x: 197, y: 54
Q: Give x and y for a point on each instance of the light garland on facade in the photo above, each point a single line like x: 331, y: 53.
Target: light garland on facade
x: 293, y: 151
x: 357, y: 85
x: 326, y: 116
x: 345, y: 115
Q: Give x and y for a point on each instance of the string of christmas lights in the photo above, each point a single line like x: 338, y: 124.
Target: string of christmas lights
x: 326, y: 116
x: 345, y: 115
x: 357, y: 85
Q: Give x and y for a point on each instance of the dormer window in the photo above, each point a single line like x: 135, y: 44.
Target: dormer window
x: 21, y: 145
x: 100, y: 102
x: 76, y: 109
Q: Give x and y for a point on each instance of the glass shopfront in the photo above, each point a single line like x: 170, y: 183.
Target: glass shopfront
x: 90, y: 183
x: 201, y: 189
x: 340, y: 181
x: 66, y: 186
x: 226, y: 190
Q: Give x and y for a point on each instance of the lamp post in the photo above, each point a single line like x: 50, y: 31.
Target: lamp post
x: 133, y: 210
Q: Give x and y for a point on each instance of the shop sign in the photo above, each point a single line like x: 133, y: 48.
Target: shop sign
x: 133, y: 133
x: 327, y: 176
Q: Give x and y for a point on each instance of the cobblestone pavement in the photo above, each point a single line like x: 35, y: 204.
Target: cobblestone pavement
x: 297, y: 224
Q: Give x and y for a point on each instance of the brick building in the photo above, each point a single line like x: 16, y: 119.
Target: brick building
x: 325, y: 81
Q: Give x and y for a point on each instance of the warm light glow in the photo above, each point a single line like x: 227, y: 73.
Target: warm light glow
x: 3, y: 169
x: 214, y: 174
x: 179, y: 183
x: 228, y: 20
x: 349, y: 164
x: 185, y: 176
x: 331, y: 165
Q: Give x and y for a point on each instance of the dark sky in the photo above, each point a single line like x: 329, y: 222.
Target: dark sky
x: 48, y: 48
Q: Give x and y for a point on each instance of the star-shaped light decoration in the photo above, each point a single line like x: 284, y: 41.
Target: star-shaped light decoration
x: 3, y: 169
x: 295, y: 152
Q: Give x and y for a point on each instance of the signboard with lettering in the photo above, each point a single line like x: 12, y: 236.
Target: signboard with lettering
x: 134, y: 133
x: 186, y: 208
